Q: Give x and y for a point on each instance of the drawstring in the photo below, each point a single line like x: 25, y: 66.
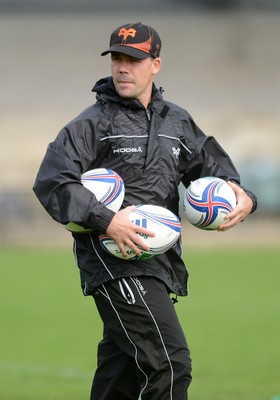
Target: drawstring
x: 175, y: 299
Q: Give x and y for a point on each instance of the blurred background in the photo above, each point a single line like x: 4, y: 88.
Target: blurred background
x: 221, y: 61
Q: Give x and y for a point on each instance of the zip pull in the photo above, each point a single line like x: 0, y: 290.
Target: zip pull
x: 148, y: 114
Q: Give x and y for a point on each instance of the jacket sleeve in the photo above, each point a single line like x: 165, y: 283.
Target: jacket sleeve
x: 58, y: 186
x: 210, y: 159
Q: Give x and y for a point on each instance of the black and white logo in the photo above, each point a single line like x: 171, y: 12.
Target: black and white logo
x: 176, y: 151
x: 139, y: 284
x: 128, y: 150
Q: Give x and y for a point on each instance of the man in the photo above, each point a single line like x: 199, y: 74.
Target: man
x: 132, y: 130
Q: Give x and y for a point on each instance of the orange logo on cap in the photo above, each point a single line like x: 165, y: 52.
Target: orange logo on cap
x: 127, y: 32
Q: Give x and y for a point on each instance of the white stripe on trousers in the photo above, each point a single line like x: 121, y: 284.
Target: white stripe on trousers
x: 106, y: 294
x: 127, y: 335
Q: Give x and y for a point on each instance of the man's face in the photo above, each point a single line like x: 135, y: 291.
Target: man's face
x: 133, y: 78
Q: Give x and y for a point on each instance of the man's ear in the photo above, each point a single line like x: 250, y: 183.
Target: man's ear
x: 156, y: 65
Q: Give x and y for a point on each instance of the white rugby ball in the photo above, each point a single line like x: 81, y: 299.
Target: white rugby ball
x: 108, y: 188
x: 164, y: 223
x: 207, y: 201
x: 112, y: 248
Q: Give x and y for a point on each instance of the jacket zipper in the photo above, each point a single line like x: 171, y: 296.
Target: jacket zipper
x: 148, y: 114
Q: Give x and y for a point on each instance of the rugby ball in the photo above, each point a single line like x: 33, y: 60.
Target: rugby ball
x: 207, y: 201
x: 111, y: 247
x: 164, y: 223
x: 108, y: 188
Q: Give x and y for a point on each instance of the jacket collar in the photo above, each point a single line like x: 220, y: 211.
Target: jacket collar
x: 105, y: 91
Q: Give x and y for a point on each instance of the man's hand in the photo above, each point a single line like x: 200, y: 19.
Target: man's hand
x: 243, y: 207
x: 124, y: 232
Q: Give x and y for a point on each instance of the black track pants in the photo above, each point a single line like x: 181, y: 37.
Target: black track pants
x: 143, y: 353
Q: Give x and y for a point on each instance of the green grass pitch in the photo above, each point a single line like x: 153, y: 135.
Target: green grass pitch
x: 49, y: 330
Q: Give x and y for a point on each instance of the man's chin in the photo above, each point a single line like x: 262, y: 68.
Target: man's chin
x: 126, y: 95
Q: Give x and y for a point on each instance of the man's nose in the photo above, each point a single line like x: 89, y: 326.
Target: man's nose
x: 123, y: 66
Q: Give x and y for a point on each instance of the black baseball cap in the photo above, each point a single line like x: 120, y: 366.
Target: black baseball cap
x: 136, y: 40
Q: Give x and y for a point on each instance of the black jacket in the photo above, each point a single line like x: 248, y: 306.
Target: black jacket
x: 152, y: 150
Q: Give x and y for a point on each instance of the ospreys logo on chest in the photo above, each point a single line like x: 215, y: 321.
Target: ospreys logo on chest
x: 176, y: 151
x: 128, y: 150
